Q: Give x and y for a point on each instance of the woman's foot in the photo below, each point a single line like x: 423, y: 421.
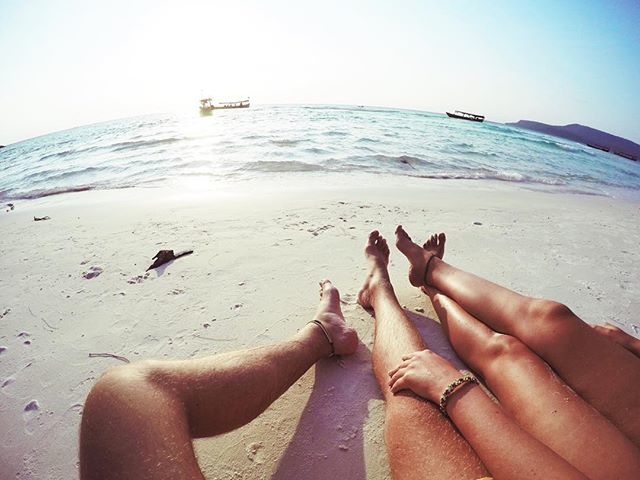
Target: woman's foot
x: 419, y: 257
x: 376, y: 252
x: 620, y: 337
x: 329, y: 314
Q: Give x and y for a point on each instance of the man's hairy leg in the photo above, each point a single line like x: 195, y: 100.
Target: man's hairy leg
x: 139, y: 419
x: 421, y: 443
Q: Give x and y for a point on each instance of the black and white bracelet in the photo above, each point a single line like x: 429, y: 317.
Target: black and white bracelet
x: 467, y: 378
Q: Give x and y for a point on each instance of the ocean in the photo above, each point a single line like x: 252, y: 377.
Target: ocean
x: 285, y: 142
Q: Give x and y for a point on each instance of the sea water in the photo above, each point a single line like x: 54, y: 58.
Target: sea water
x: 287, y: 142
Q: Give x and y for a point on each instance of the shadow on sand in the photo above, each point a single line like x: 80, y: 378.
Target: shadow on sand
x: 329, y: 438
x: 329, y: 441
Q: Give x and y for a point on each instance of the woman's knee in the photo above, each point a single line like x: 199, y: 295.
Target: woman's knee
x: 549, y: 310
x: 547, y: 323
x: 549, y: 314
x: 440, y: 302
x: 503, y: 347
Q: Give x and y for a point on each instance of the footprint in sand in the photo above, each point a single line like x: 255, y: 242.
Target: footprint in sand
x: 254, y: 452
x: 31, y: 411
x: 138, y: 279
x: 93, y: 272
x: 348, y: 299
x: 24, y: 336
x: 8, y: 381
x: 317, y: 231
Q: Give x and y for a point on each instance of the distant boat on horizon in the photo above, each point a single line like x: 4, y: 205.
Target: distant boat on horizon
x: 207, y: 105
x: 473, y: 117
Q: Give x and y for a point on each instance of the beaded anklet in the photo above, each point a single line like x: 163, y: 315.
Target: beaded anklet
x: 467, y: 378
x: 326, y: 334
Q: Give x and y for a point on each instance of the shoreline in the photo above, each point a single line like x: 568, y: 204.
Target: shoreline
x: 272, y: 184
x: 259, y: 252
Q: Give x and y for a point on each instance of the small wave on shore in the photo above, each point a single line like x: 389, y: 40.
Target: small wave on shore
x: 276, y: 140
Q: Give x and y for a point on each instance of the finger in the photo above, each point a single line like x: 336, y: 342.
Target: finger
x: 403, y: 364
x: 398, y: 374
x: 400, y: 384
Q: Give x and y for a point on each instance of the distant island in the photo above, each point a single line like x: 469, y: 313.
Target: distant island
x: 586, y: 135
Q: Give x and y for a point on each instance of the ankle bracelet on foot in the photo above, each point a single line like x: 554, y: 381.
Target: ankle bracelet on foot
x: 426, y: 270
x: 451, y: 388
x: 326, y: 334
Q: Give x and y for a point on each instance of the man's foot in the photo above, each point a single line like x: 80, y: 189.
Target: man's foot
x: 377, y: 254
x: 419, y: 256
x: 620, y: 337
x: 329, y: 314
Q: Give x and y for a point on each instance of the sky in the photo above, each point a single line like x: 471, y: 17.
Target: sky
x: 66, y: 63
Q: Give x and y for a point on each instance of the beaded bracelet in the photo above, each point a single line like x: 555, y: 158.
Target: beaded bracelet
x: 467, y: 378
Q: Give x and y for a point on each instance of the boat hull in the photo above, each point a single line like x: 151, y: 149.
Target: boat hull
x: 209, y: 110
x: 462, y: 117
x: 207, y: 106
x: 225, y: 107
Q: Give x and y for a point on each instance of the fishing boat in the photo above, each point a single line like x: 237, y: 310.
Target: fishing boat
x: 207, y: 105
x: 466, y: 116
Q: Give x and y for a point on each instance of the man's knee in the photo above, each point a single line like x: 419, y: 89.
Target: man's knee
x: 116, y: 379
x: 114, y: 390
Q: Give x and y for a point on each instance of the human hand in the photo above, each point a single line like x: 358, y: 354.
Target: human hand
x: 425, y: 373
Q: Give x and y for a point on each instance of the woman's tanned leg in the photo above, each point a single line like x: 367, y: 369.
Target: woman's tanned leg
x: 620, y: 337
x: 139, y: 419
x: 420, y: 441
x: 602, y: 372
x: 539, y: 401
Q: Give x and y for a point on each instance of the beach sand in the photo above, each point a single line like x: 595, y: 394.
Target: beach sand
x: 76, y: 285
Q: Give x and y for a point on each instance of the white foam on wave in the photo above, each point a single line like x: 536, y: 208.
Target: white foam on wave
x: 275, y: 140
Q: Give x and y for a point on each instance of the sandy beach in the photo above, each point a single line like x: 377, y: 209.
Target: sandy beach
x: 75, y: 285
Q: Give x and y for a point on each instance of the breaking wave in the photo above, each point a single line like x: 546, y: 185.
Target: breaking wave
x: 157, y: 150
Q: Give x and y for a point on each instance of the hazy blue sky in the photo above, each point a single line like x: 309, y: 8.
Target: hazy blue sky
x: 67, y: 63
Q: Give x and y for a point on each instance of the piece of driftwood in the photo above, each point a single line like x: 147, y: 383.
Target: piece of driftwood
x: 164, y: 256
x: 109, y: 355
